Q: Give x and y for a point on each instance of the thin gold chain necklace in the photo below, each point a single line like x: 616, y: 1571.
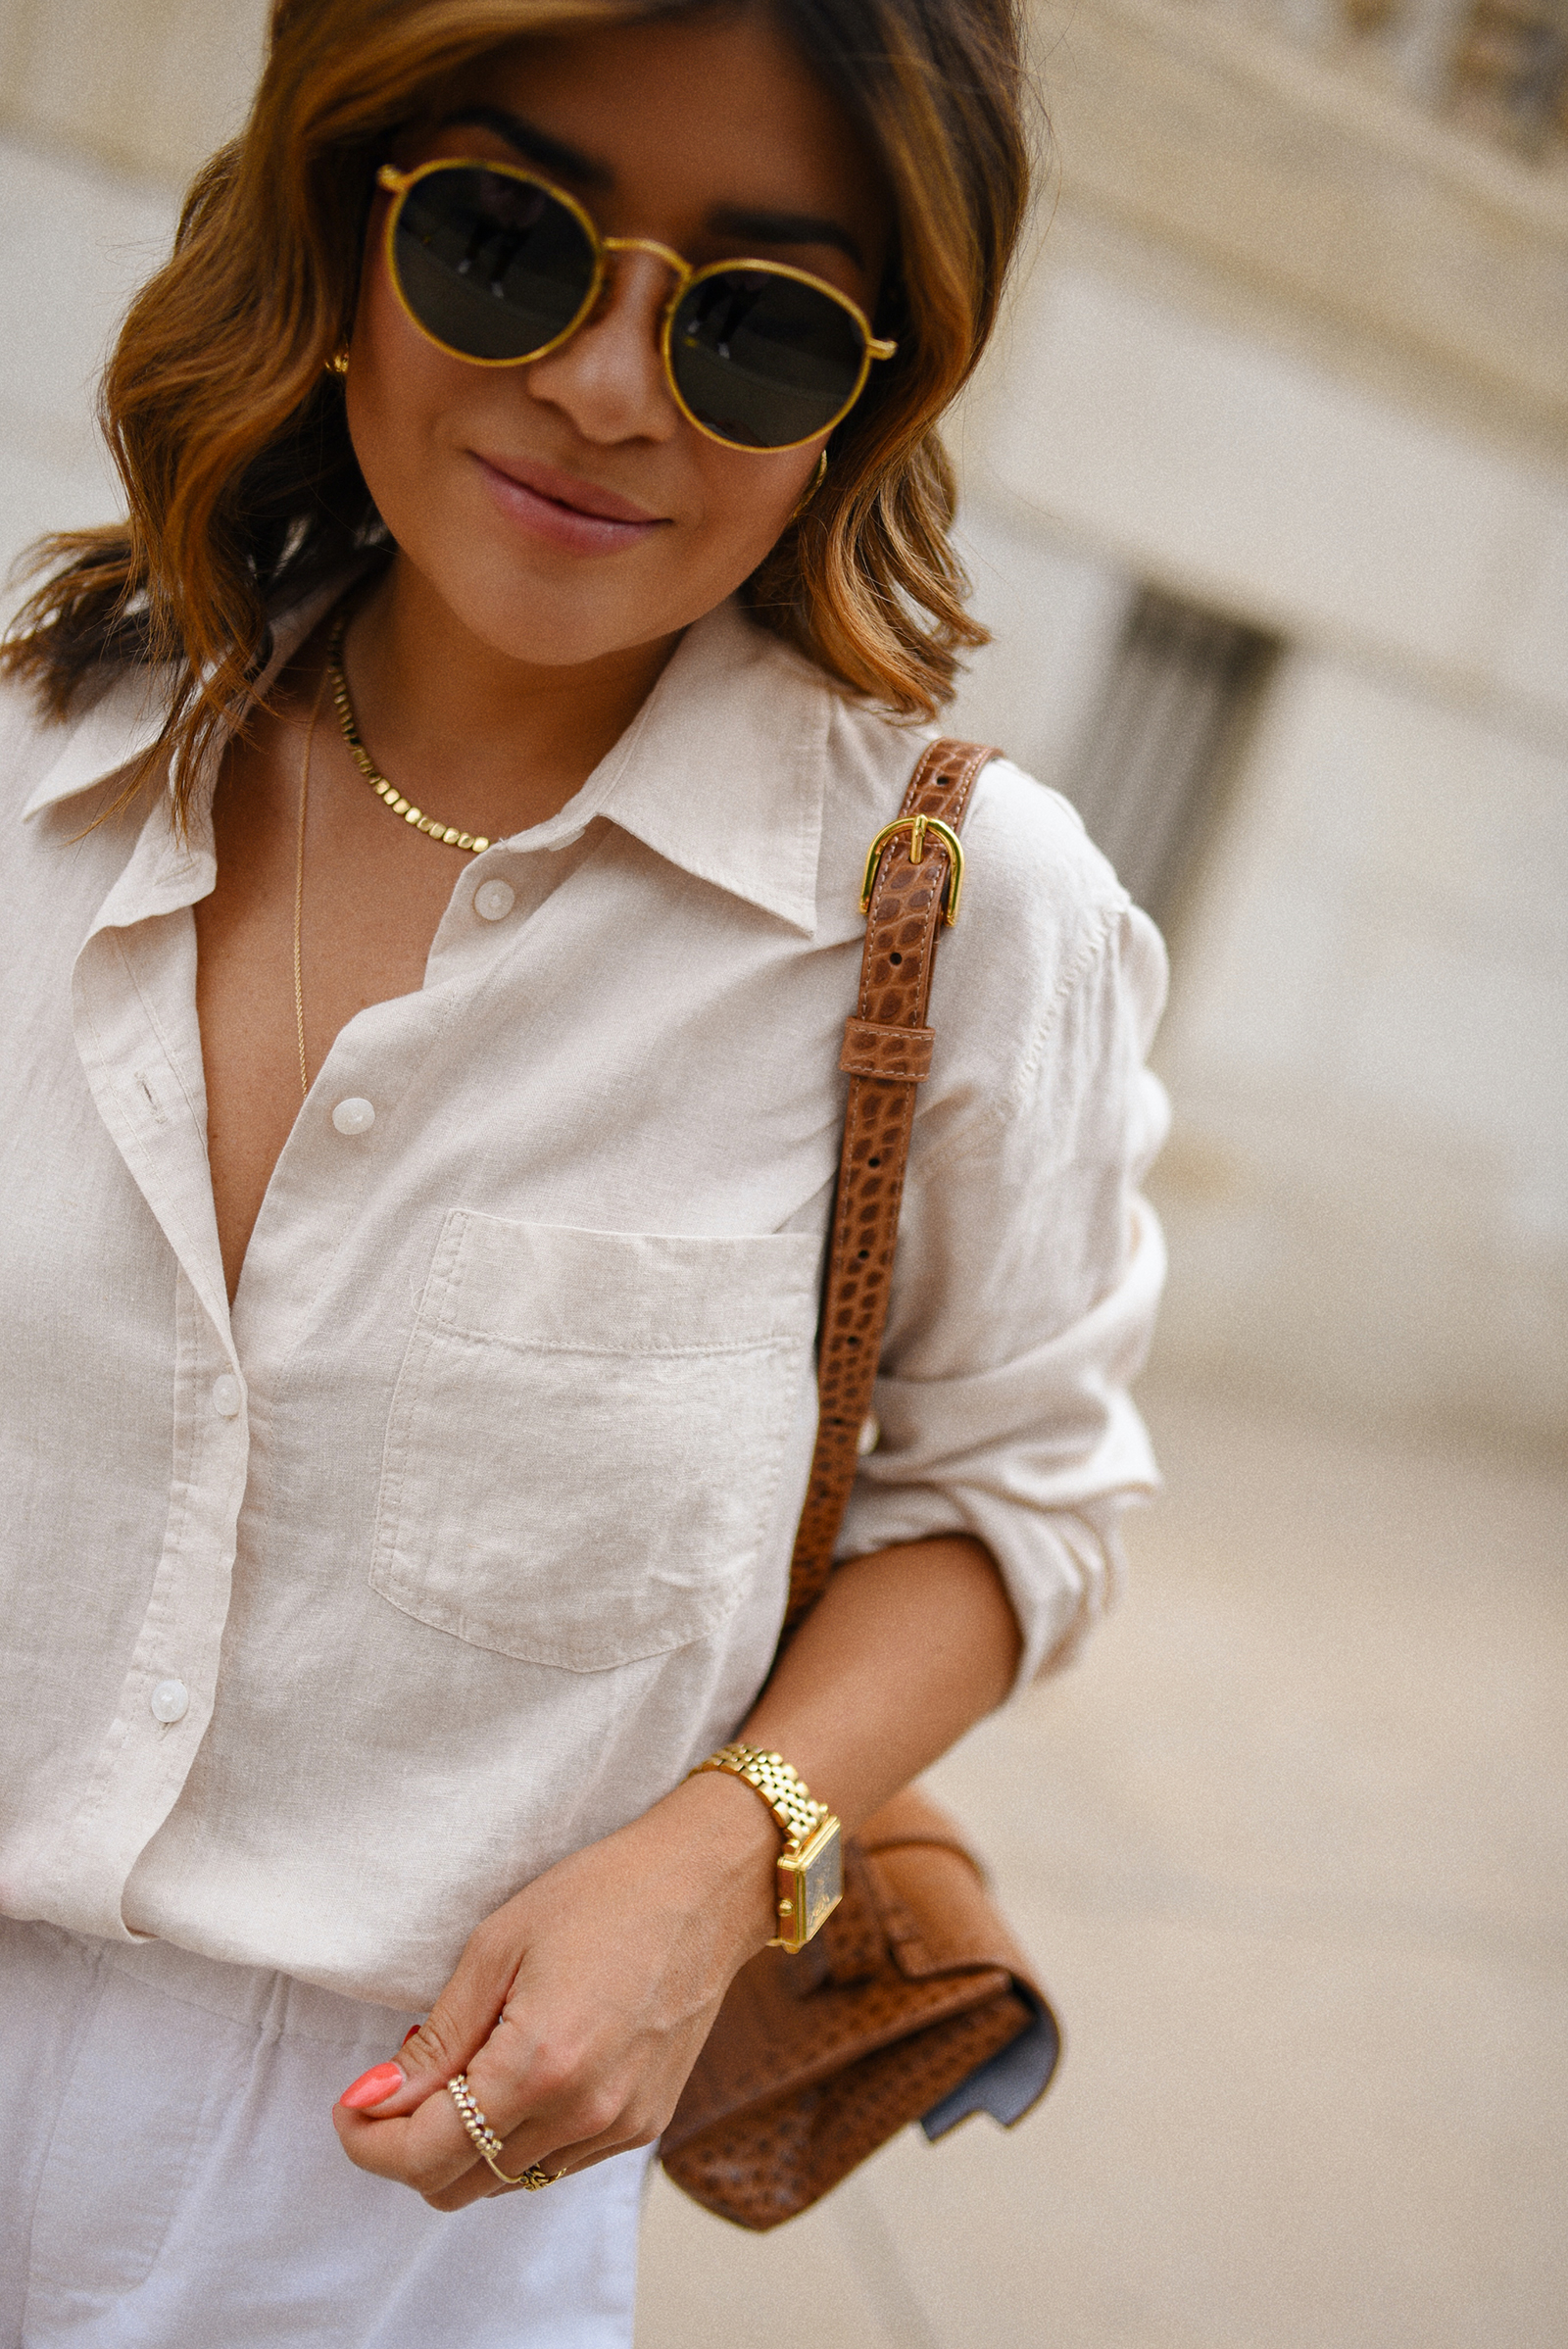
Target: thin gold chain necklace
x: 387, y: 793
x: 299, y: 884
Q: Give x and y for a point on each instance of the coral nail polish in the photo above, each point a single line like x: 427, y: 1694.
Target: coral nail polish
x: 373, y: 2087
x: 408, y: 2034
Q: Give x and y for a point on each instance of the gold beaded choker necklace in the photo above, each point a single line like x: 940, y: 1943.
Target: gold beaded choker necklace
x: 387, y: 793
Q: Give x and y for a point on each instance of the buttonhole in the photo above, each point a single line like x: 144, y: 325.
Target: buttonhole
x: 149, y: 1097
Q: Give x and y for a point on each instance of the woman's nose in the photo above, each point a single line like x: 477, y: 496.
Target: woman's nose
x: 609, y: 379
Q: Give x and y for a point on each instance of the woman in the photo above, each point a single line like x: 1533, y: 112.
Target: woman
x: 416, y: 1226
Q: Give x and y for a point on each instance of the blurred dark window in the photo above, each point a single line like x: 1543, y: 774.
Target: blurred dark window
x: 1149, y: 775
x: 1510, y: 71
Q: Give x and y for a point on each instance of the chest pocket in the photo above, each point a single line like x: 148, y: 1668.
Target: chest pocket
x: 587, y: 1434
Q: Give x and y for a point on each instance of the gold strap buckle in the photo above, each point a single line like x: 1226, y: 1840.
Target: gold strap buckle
x: 918, y: 826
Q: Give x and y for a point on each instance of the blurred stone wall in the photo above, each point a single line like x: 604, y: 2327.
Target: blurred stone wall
x: 105, y: 109
x: 1295, y: 347
x: 91, y: 238
x: 146, y: 86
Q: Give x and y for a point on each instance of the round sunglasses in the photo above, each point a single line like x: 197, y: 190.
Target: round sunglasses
x: 496, y: 266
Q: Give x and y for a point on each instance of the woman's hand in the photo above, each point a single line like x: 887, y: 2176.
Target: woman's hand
x: 578, y: 2009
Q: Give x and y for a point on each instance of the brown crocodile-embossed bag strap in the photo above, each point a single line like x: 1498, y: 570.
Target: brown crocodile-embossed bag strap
x: 911, y: 887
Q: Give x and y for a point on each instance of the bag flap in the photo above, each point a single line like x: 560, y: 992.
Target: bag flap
x: 930, y: 1892
x: 767, y: 2041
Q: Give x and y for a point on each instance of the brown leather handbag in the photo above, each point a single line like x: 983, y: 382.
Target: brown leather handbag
x: 914, y: 2002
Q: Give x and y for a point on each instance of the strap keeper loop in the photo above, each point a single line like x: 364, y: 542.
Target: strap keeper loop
x: 900, y: 1055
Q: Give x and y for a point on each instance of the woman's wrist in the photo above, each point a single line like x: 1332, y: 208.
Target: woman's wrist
x: 725, y: 1845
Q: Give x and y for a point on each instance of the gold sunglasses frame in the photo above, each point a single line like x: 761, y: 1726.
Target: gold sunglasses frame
x: 398, y: 186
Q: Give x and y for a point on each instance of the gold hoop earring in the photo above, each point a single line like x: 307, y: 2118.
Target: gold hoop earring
x: 338, y: 363
x: 812, y: 487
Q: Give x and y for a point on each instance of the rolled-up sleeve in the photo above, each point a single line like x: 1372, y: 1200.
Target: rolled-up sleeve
x: 1029, y: 1268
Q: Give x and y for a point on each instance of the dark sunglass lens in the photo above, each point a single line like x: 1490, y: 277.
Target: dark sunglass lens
x: 491, y: 265
x: 764, y: 361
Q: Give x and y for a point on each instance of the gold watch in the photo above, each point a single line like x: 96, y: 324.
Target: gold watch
x: 810, y: 1866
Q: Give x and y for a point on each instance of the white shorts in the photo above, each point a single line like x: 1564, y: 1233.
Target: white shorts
x: 170, y: 2177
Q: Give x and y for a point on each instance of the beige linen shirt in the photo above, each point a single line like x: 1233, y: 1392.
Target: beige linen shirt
x: 330, y: 1619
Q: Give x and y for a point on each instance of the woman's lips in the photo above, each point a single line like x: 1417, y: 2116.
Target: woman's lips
x: 576, y: 515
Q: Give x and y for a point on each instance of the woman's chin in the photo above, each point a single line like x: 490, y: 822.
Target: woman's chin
x: 541, y: 621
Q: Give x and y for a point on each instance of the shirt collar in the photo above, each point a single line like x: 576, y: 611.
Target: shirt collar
x: 123, y: 724
x: 722, y: 771
x: 128, y: 719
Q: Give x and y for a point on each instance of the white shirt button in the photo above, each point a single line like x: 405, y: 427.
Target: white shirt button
x: 354, y: 1116
x: 168, y: 1701
x: 493, y: 900
x: 226, y: 1397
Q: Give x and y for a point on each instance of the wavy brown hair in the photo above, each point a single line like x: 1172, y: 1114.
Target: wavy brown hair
x: 231, y: 440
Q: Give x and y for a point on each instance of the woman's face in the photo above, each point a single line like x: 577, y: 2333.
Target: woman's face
x: 565, y: 509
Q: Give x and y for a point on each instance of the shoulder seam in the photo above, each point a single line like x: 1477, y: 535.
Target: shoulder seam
x: 1012, y: 1098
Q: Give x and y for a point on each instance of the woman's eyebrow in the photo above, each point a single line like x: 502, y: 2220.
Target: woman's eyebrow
x: 533, y: 144
x: 755, y: 228
x: 752, y: 224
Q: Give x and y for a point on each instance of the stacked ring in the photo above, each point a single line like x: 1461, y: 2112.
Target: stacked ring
x: 487, y: 2144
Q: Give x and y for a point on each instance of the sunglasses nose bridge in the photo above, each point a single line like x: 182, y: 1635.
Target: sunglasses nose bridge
x: 647, y: 244
x: 679, y: 267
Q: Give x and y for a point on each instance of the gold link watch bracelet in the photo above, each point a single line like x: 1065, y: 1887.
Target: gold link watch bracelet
x: 810, y: 1866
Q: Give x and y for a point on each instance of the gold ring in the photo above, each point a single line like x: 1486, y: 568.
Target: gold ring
x: 488, y: 2144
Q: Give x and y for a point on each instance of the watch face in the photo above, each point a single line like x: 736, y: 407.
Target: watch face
x: 821, y: 1877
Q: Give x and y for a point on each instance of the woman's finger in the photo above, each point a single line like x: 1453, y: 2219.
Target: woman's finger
x: 435, y: 2050
x: 394, y: 2119
x: 457, y: 2026
x: 547, y: 2101
x: 482, y: 2184
x: 427, y: 2149
x: 431, y: 2151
